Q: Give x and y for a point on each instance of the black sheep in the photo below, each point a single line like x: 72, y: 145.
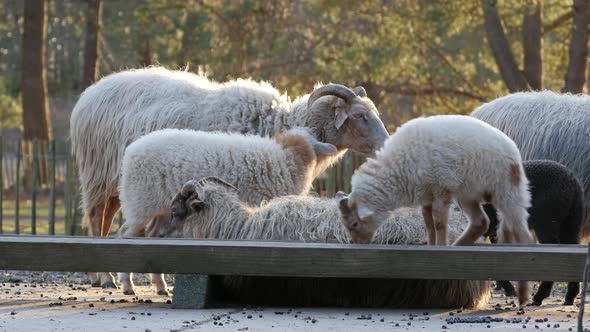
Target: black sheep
x: 556, y: 215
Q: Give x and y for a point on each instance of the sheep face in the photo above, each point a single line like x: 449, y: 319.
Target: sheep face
x: 347, y: 118
x: 360, y: 128
x: 360, y: 223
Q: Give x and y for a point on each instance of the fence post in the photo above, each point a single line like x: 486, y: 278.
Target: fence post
x: 19, y: 150
x: 1, y: 182
x: 34, y: 187
x: 52, y: 187
x: 347, y: 172
x: 330, y: 183
x: 75, y: 215
x: 68, y: 192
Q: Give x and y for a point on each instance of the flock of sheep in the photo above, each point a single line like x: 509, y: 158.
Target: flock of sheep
x: 186, y: 157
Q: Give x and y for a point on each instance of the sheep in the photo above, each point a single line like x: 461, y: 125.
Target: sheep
x: 121, y: 107
x: 547, y: 125
x: 208, y: 208
x: 555, y: 216
x: 429, y: 162
x: 157, y: 164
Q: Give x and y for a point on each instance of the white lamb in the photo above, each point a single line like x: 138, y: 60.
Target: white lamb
x: 158, y: 164
x: 429, y: 162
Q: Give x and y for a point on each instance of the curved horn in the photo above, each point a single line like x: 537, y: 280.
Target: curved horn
x: 218, y: 181
x: 360, y: 91
x: 188, y: 188
x: 337, y: 90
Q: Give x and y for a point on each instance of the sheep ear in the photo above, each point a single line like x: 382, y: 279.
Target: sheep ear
x: 360, y: 91
x: 197, y: 204
x: 341, y: 116
x: 365, y: 213
x: 325, y: 149
x: 343, y: 206
x: 340, y: 195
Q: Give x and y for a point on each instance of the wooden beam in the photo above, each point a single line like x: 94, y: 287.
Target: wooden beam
x: 218, y: 257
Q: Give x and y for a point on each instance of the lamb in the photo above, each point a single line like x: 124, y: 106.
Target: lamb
x: 209, y: 208
x: 555, y: 216
x: 121, y: 107
x: 429, y: 162
x: 547, y: 125
x: 156, y: 165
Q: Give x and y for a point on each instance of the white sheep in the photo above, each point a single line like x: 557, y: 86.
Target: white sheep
x: 123, y: 106
x: 156, y: 165
x: 430, y: 162
x: 208, y: 208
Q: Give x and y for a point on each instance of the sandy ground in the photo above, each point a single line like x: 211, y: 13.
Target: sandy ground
x: 60, y: 302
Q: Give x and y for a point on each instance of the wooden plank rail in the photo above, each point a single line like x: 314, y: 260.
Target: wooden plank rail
x: 217, y: 257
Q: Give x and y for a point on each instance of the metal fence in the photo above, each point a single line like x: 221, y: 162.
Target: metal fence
x: 39, y: 192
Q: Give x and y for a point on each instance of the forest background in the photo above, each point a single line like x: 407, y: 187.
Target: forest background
x: 414, y: 57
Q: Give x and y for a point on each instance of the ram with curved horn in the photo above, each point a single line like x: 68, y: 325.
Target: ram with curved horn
x: 119, y: 108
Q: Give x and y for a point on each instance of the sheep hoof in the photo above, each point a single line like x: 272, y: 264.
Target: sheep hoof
x: 164, y: 292
x: 96, y: 284
x: 510, y: 292
x: 129, y: 292
x: 568, y: 302
x: 109, y: 284
x: 535, y: 303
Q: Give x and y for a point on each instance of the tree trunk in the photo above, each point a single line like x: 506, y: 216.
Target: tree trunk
x: 532, y: 43
x: 578, y: 54
x: 188, y: 37
x: 36, y: 121
x: 91, y: 47
x: 512, y: 77
x: 146, y: 56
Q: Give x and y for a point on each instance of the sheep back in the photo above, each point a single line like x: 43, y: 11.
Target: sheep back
x: 121, y: 107
x: 157, y: 165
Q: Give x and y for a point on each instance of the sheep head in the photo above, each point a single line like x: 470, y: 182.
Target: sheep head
x: 349, y: 119
x: 360, y: 222
x: 188, y: 201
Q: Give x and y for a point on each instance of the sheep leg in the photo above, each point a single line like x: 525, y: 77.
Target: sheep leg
x: 111, y: 207
x: 514, y: 228
x: 132, y: 230
x: 94, y: 219
x: 440, y: 215
x: 543, y: 292
x: 430, y: 231
x: 573, y: 289
x: 160, y: 283
x: 110, y: 210
x: 507, y: 287
x: 478, y: 223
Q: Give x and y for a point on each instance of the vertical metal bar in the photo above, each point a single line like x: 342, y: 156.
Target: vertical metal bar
x: 75, y: 214
x: 1, y: 183
x: 347, y: 164
x: 120, y: 219
x: 35, y: 156
x: 19, y: 150
x: 52, y: 187
x: 583, y: 295
x: 330, y: 182
x: 68, y: 192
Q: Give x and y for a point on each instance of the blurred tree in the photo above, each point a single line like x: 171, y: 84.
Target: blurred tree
x: 578, y: 51
x: 91, y: 47
x: 532, y: 44
x: 36, y: 122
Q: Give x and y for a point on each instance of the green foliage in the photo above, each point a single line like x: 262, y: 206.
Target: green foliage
x: 414, y: 57
x: 10, y: 108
